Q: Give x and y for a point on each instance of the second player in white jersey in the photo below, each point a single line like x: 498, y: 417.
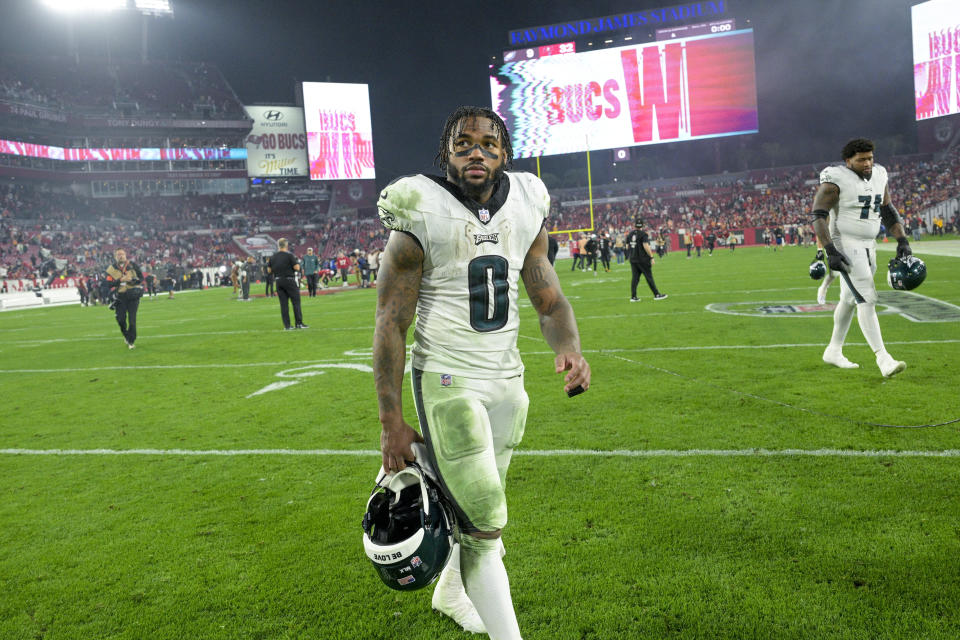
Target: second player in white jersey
x: 851, y: 203
x: 472, y: 249
x: 857, y: 212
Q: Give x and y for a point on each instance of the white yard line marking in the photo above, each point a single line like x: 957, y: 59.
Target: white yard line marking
x: 174, y: 335
x: 176, y: 366
x: 551, y: 453
x: 817, y: 345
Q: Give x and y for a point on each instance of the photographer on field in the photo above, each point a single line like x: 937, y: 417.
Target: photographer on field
x: 126, y: 281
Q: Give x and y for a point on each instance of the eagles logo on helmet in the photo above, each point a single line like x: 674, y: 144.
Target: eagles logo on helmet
x: 407, y: 529
x: 906, y: 273
x: 818, y: 270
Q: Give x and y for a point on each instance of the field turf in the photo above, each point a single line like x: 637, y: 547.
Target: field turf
x: 716, y: 481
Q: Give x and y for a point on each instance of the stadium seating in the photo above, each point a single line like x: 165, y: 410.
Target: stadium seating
x: 170, y: 89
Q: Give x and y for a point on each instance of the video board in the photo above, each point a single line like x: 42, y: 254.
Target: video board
x: 677, y: 89
x: 30, y: 150
x: 277, y: 143
x: 936, y: 58
x: 339, y: 133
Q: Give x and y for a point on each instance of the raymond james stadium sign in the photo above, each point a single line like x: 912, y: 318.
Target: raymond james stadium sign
x: 608, y: 24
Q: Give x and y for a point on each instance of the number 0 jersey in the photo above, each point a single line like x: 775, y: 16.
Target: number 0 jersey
x: 467, y: 319
x: 857, y: 214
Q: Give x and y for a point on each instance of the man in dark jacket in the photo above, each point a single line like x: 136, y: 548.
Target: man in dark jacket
x: 641, y: 261
x: 126, y: 280
x: 284, y: 266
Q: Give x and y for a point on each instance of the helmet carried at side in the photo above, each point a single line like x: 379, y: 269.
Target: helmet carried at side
x: 906, y: 273
x: 818, y: 270
x: 407, y: 529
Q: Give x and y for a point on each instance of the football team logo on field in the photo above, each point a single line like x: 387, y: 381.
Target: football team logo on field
x: 290, y: 377
x: 910, y: 305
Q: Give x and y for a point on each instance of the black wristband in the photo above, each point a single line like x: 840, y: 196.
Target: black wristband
x: 820, y: 213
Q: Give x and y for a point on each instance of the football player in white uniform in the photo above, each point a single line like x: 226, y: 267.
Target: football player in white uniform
x: 458, y: 246
x: 849, y: 206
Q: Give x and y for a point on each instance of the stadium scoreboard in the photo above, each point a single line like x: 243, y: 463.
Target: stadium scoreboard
x: 681, y: 88
x: 339, y: 131
x: 936, y: 58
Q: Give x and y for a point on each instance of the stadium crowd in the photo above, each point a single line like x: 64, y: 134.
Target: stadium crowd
x: 127, y: 88
x: 38, y: 225
x: 772, y: 199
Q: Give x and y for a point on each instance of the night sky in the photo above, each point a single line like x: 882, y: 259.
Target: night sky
x: 826, y: 70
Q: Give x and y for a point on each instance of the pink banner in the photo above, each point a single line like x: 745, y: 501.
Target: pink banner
x: 16, y: 148
x: 25, y: 149
x: 99, y: 155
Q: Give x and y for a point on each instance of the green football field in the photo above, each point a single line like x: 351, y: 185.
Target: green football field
x: 716, y: 481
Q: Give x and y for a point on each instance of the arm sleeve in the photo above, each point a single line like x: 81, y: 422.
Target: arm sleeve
x: 889, y: 216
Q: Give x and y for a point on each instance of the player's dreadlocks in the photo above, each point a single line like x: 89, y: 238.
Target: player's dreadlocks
x: 443, y: 155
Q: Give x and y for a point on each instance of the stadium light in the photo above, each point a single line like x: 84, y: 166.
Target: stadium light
x: 146, y: 7
x: 76, y: 6
x: 154, y: 7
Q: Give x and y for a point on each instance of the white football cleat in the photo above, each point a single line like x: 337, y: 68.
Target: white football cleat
x: 451, y: 600
x: 837, y: 359
x: 888, y: 366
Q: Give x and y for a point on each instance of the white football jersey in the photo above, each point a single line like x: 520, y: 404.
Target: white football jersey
x: 857, y: 214
x: 467, y: 316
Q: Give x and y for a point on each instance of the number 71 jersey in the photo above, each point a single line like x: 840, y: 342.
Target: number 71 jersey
x: 857, y: 214
x: 467, y: 316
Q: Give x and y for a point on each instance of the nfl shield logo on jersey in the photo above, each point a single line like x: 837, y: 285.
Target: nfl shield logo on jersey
x: 446, y: 379
x: 484, y: 215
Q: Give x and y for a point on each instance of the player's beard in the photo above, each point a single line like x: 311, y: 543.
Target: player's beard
x: 474, y: 190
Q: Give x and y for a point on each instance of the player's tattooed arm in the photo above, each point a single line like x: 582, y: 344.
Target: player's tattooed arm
x: 827, y: 197
x: 398, y: 287
x: 557, y: 322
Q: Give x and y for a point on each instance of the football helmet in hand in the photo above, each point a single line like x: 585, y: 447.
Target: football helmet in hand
x: 407, y: 529
x: 818, y: 270
x: 906, y: 273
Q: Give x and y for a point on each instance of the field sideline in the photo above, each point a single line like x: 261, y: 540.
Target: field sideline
x: 717, y: 480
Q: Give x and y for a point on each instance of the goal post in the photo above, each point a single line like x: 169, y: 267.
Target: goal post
x: 592, y: 225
